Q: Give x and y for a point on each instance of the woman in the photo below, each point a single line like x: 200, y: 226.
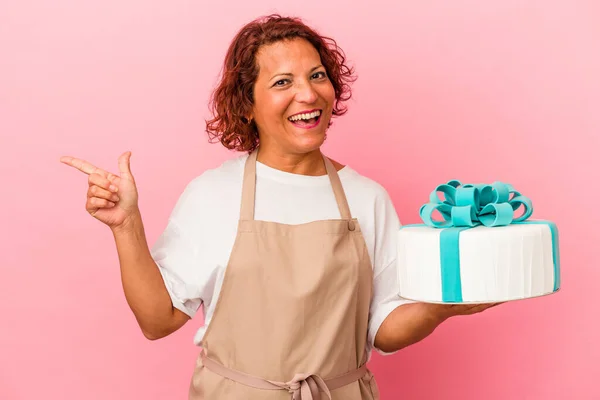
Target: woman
x: 291, y: 254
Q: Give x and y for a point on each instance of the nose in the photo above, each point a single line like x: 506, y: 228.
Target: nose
x: 305, y: 93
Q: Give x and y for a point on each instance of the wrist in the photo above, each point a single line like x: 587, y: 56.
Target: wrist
x: 438, y: 312
x: 131, y: 224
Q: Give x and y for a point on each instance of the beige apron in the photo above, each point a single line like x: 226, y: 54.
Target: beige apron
x: 291, y: 318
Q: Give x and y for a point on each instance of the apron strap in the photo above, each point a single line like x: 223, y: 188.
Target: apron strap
x: 249, y: 188
x: 338, y: 190
x: 301, y: 387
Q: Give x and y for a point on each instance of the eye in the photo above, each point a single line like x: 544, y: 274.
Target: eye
x: 281, y: 82
x: 320, y: 74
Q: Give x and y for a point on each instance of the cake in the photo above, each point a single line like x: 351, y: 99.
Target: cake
x: 478, y: 251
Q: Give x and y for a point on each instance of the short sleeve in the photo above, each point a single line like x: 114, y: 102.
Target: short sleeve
x: 385, y: 300
x: 176, y: 252
x: 386, y: 288
x: 176, y: 257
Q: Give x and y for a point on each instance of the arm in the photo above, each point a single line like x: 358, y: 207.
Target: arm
x: 406, y: 325
x: 143, y: 284
x: 413, y: 322
x: 113, y: 200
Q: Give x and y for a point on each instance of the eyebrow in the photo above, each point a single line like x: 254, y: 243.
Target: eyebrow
x: 290, y: 74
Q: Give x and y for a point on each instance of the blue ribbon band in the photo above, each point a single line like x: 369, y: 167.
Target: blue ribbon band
x: 450, y: 264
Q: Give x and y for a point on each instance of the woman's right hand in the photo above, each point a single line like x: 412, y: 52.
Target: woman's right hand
x: 111, y: 199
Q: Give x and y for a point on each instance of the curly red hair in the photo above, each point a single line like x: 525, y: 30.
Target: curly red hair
x: 232, y: 100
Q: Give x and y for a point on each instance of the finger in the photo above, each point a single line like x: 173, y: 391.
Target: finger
x: 124, y: 163
x: 488, y: 305
x: 95, y: 203
x: 470, y: 309
x: 97, y: 191
x: 80, y: 164
x: 84, y: 166
x: 115, y: 179
x: 104, y: 183
x: 483, y: 307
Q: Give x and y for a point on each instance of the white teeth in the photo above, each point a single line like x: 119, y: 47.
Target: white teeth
x: 305, y: 116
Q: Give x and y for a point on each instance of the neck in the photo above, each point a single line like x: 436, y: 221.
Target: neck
x: 310, y: 163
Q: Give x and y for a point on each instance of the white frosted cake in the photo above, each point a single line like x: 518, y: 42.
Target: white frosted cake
x: 478, y: 252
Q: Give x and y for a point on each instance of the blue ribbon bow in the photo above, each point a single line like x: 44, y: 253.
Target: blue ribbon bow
x: 470, y: 205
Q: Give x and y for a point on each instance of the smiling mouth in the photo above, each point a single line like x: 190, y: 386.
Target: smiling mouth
x: 306, y: 120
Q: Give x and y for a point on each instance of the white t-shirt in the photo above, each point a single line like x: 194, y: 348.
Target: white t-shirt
x: 193, y: 250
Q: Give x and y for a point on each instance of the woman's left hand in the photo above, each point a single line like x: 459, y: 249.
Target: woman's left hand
x: 413, y: 322
x: 445, y: 311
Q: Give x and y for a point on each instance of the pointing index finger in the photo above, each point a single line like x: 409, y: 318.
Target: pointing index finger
x: 84, y: 166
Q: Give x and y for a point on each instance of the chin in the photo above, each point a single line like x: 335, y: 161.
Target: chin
x: 308, y: 144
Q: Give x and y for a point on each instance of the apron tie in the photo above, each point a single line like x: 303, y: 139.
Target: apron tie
x: 301, y: 387
x: 305, y: 387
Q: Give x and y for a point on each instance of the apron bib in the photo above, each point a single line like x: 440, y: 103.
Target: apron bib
x: 292, y: 315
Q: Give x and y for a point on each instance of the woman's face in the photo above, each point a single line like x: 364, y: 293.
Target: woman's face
x: 293, y: 97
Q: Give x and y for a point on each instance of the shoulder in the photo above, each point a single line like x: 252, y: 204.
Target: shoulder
x: 369, y: 200
x: 228, y: 172
x: 215, y: 186
x: 216, y: 182
x: 358, y: 185
x: 371, y: 204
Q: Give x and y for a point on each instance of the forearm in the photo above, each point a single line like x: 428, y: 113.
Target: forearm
x: 143, y: 284
x: 406, y: 325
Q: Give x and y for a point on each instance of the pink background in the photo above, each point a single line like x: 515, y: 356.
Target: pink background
x: 473, y: 90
